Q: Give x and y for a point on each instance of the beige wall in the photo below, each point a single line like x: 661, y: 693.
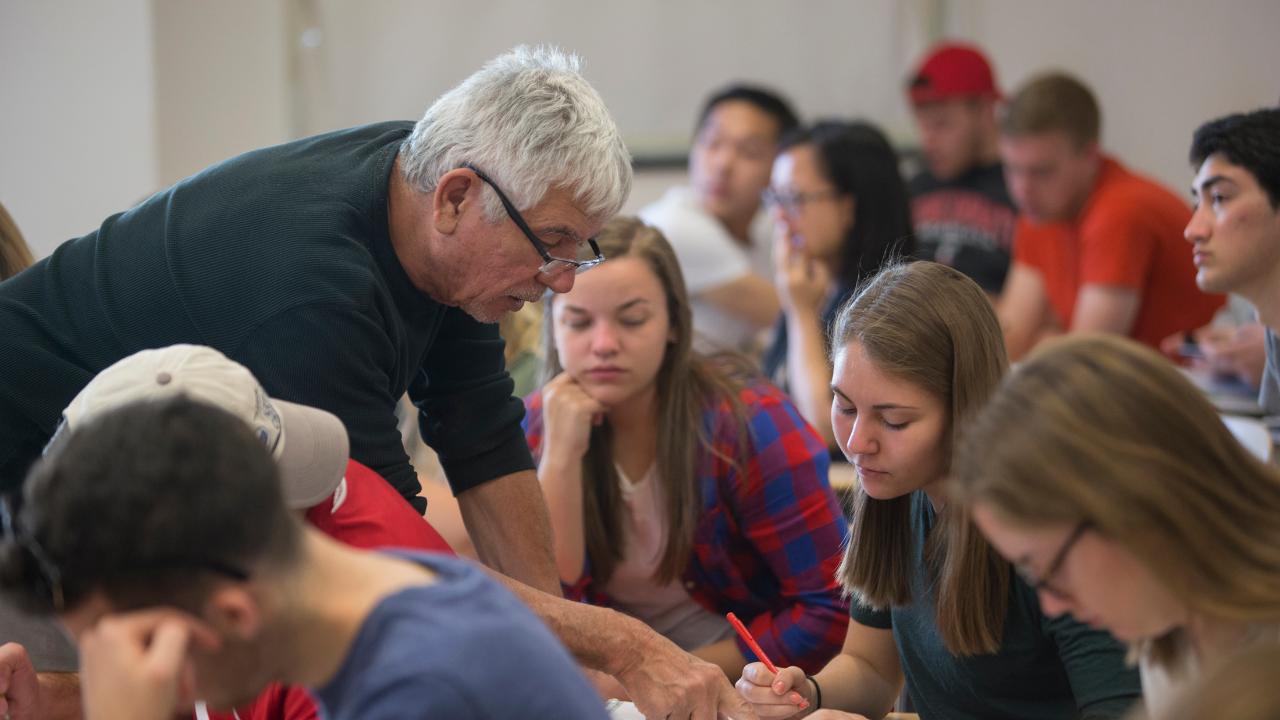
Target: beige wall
x: 221, y: 81
x: 77, y: 123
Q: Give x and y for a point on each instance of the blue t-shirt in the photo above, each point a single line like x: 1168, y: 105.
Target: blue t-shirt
x: 1046, y: 668
x: 461, y: 647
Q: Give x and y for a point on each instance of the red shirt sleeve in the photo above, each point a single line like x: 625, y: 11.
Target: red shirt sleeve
x: 1117, y: 244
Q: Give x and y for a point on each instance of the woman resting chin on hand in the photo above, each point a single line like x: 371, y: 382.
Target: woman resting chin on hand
x: 680, y: 488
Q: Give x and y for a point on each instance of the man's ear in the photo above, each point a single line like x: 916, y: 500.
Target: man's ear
x: 234, y: 611
x: 455, y: 193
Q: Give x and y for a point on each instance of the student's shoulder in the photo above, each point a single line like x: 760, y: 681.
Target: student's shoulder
x: 1122, y: 193
x: 681, y: 218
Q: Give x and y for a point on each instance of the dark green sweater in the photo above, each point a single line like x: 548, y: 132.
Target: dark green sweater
x: 281, y: 259
x: 1047, y: 668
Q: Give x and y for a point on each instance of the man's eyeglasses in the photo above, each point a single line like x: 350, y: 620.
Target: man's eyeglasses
x: 790, y: 202
x: 550, y: 265
x: 49, y: 584
x: 1045, y: 582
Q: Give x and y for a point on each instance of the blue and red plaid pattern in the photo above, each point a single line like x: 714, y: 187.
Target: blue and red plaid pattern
x: 768, y: 543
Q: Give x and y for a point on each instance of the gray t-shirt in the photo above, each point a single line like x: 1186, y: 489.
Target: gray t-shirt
x: 1269, y: 398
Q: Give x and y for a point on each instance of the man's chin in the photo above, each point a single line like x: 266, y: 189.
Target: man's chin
x: 488, y: 312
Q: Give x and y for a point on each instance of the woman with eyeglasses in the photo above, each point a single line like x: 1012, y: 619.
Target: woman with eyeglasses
x: 841, y: 212
x: 916, y: 355
x: 1110, y: 480
x: 680, y: 487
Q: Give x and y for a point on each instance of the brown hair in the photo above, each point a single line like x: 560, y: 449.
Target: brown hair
x: 1101, y: 429
x: 933, y: 327
x: 685, y: 382
x: 1055, y: 102
x: 15, y: 256
x: 1241, y: 688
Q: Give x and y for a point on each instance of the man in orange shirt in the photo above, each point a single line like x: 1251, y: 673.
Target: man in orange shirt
x: 1097, y: 248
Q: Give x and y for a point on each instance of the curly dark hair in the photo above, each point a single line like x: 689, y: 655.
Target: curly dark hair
x: 150, y: 504
x: 1250, y: 140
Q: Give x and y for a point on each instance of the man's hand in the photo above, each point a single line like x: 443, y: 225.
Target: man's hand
x: 19, y: 689
x: 665, y: 681
x: 135, y: 665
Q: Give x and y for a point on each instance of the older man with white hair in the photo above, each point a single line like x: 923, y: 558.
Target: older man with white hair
x: 348, y: 268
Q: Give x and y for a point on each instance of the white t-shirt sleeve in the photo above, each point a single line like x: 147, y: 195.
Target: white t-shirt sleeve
x: 709, y: 257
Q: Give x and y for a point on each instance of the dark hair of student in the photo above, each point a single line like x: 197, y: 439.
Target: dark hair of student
x: 1250, y: 140
x: 933, y: 327
x: 858, y: 160
x: 765, y: 100
x: 150, y: 504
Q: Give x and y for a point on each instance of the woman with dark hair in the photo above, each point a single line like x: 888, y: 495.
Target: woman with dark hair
x: 841, y: 212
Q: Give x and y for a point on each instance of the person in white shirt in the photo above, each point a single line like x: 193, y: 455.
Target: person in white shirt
x: 716, y: 224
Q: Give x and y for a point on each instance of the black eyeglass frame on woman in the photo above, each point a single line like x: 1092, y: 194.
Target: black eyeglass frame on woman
x: 1045, y: 582
x: 551, y: 265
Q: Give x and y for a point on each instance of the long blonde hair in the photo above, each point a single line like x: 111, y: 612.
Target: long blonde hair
x: 933, y: 327
x: 15, y: 256
x: 1243, y: 687
x: 685, y: 382
x: 1104, y: 430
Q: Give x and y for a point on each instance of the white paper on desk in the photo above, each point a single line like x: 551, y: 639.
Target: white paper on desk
x: 619, y: 710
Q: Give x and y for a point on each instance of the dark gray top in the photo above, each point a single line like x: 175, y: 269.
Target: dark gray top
x: 1046, y: 667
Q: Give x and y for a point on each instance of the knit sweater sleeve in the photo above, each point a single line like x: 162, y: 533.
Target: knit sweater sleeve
x: 468, y: 414
x: 334, y: 357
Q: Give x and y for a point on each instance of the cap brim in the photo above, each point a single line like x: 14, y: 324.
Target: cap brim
x: 315, y: 454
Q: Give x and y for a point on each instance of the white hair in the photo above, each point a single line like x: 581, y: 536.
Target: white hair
x: 529, y: 121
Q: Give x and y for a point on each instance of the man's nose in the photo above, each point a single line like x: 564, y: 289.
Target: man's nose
x: 559, y: 282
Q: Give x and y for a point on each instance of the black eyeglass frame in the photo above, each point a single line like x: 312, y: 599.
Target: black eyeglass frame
x: 792, y: 202
x: 551, y: 265
x: 1045, y: 581
x: 51, y: 576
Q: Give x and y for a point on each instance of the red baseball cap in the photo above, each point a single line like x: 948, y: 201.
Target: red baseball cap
x: 953, y: 70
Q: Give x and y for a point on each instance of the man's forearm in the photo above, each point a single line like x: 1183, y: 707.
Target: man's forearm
x: 600, y: 639
x: 59, y: 696
x: 509, y: 526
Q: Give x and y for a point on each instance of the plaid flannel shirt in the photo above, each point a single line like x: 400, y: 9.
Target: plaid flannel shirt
x: 767, y: 545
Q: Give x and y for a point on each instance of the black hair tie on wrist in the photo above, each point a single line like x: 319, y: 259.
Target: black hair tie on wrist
x: 817, y: 692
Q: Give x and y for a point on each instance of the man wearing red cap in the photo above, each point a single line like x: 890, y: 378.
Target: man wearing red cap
x: 962, y: 212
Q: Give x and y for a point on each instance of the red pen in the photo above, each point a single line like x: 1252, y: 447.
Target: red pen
x: 751, y: 642
x: 755, y: 648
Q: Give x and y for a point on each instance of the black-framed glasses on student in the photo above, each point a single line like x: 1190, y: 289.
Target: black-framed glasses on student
x: 1045, y: 582
x: 551, y: 265
x: 790, y: 202
x: 49, y: 582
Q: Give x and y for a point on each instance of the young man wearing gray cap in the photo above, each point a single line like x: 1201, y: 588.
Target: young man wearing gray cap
x: 340, y: 497
x: 158, y: 533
